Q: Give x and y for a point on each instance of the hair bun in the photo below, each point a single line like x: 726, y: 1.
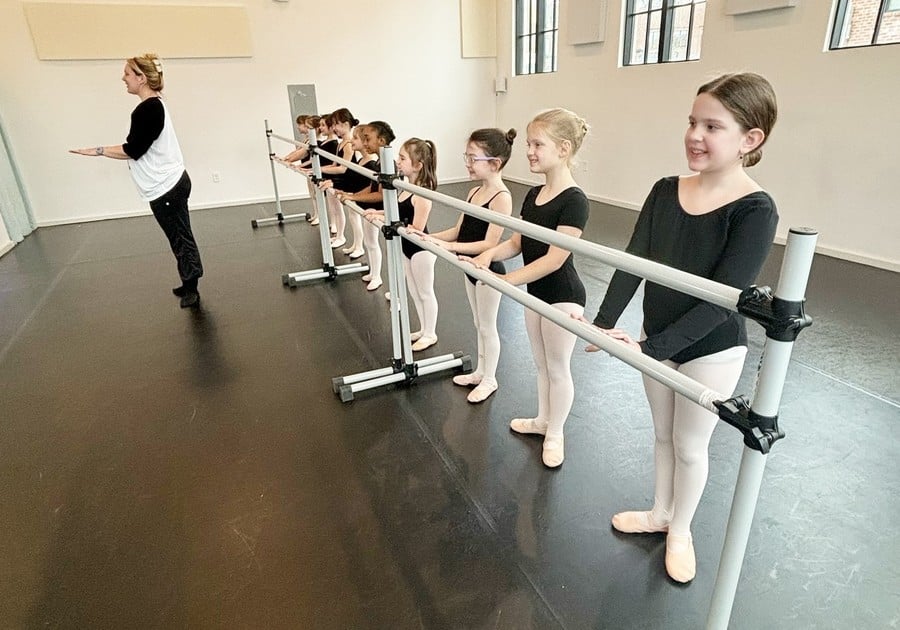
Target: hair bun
x: 511, y: 136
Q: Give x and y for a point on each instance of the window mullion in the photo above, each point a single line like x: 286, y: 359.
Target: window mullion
x: 665, y: 34
x: 877, y: 28
x: 539, y: 37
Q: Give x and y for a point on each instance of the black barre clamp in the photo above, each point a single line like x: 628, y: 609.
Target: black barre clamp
x: 760, y: 432
x: 316, y: 180
x: 412, y: 371
x: 782, y: 319
x: 387, y: 181
x: 390, y: 229
x: 331, y: 270
x: 271, y: 156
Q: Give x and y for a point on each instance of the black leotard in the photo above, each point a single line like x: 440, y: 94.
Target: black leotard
x: 473, y: 230
x: 406, y: 218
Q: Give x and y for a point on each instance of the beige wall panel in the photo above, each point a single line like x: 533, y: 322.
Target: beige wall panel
x: 478, y: 22
x: 118, y: 31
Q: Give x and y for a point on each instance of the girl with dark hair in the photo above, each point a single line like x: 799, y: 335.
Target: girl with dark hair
x: 487, y: 152
x: 719, y: 224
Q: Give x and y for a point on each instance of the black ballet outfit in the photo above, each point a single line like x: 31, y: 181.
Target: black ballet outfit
x: 407, y: 211
x: 570, y: 207
x: 354, y: 182
x: 473, y: 230
x: 331, y: 147
x: 369, y: 185
x: 728, y: 245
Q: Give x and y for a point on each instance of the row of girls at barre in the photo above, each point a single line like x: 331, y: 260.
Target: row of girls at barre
x: 716, y: 223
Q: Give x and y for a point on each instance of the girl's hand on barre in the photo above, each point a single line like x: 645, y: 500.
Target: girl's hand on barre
x: 325, y: 184
x: 584, y: 320
x: 373, y: 214
x: 616, y: 333
x: 439, y: 242
x: 480, y: 261
x: 620, y: 335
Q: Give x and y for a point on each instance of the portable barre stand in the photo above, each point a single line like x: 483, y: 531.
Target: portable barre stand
x: 328, y: 271
x: 780, y: 313
x: 403, y: 368
x: 280, y: 218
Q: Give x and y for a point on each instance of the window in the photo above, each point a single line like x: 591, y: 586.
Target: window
x: 537, y: 34
x: 663, y: 31
x: 865, y: 23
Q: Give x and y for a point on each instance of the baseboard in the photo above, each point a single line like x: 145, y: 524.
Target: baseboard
x: 851, y: 256
x: 455, y: 180
x: 825, y: 250
x: 246, y: 202
x: 96, y: 217
x: 6, y: 248
x: 146, y: 212
x: 618, y: 203
x: 195, y: 206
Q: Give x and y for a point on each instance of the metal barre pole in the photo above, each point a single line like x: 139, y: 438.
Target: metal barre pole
x: 697, y: 286
x: 296, y: 143
x: 272, y: 167
x: 798, y: 256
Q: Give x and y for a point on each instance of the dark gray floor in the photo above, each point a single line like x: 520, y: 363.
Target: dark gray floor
x: 171, y: 469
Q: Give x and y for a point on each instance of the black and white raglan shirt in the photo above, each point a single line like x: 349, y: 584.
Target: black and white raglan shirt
x: 156, y: 162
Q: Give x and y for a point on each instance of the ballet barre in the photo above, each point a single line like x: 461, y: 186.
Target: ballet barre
x: 328, y: 271
x: 781, y: 313
x: 404, y: 368
x: 280, y: 218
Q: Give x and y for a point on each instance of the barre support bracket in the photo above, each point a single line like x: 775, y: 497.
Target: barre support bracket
x: 760, y: 432
x: 390, y: 229
x: 387, y: 180
x: 782, y: 319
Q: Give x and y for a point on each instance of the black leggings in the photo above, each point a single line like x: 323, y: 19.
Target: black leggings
x: 171, y: 212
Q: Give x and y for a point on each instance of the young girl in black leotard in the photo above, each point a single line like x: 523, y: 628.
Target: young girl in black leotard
x: 554, y: 137
x: 373, y: 136
x: 487, y: 152
x: 342, y: 124
x: 718, y: 224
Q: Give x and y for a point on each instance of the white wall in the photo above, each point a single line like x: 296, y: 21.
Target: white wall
x: 831, y: 162
x: 218, y: 105
x: 6, y: 243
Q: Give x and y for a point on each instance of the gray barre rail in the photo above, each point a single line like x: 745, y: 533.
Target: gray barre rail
x: 684, y: 385
x: 703, y: 288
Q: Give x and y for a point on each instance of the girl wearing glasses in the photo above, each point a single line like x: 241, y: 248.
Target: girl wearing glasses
x: 487, y: 152
x: 554, y: 137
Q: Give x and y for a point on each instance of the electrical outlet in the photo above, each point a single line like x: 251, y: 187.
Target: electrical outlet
x: 215, y: 177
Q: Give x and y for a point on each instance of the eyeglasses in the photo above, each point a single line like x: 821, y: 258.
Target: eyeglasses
x: 471, y: 159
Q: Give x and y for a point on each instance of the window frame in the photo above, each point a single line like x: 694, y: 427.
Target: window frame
x: 841, y: 23
x: 664, y: 46
x: 542, y: 38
